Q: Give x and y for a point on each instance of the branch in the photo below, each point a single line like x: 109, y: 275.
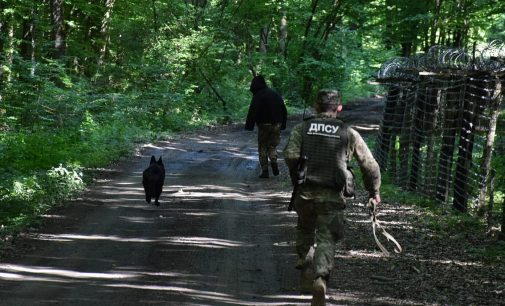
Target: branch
x: 213, y: 89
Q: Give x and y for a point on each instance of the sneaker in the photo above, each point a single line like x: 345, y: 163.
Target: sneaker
x: 319, y: 292
x: 275, y: 169
x: 264, y: 174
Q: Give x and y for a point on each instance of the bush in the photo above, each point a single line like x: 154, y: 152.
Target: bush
x: 25, y: 197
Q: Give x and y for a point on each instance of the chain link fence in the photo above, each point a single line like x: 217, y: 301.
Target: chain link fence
x: 439, y: 124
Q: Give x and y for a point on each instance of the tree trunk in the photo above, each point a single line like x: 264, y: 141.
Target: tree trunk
x: 430, y: 128
x: 406, y: 49
x: 389, y: 27
x: 396, y: 133
x: 27, y: 46
x: 283, y: 35
x: 385, y: 133
x: 155, y: 18
x: 2, y: 46
x: 264, y: 34
x: 471, y: 111
x: 330, y: 21
x: 451, y: 125
x: 308, y: 25
x: 435, y: 22
x: 199, y: 6
x: 502, y: 236
x: 104, y: 31
x: 8, y: 48
x: 59, y: 35
x: 461, y: 30
x: 418, y: 138
x: 495, y: 101
x: 406, y: 135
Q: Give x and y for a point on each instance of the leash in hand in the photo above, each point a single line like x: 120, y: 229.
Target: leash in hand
x: 376, y: 225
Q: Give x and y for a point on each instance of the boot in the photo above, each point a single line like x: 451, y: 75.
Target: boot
x: 275, y: 169
x: 306, y: 261
x: 305, y: 264
x: 319, y: 292
x: 306, y: 279
x: 264, y: 174
x: 300, y: 263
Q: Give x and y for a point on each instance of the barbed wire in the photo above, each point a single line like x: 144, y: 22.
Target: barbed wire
x: 489, y: 58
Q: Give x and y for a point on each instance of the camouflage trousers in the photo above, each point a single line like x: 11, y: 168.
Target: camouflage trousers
x: 269, y: 137
x: 321, y: 221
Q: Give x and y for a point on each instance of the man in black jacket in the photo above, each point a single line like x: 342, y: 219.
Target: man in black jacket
x: 268, y: 112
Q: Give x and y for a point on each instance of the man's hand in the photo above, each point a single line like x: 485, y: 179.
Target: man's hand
x: 376, y: 199
x: 372, y: 204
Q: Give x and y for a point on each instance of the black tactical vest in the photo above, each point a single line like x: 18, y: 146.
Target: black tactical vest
x: 325, y: 144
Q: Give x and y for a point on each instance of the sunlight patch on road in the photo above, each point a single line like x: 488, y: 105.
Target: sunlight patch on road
x: 221, y: 298
x: 54, y: 216
x: 152, y: 146
x: 401, y: 224
x: 118, y: 190
x: 201, y: 214
x: 220, y: 194
x: 140, y: 220
x: 19, y: 277
x: 366, y: 127
x: 364, y: 298
x: 126, y: 183
x: 360, y: 254
x: 207, y: 242
x: 167, y: 288
x: 204, y: 242
x: 64, y: 273
x: 285, y: 243
x: 72, y: 237
x: 223, y: 192
x: 451, y: 262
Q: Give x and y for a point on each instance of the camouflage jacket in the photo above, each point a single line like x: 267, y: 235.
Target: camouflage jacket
x: 357, y: 148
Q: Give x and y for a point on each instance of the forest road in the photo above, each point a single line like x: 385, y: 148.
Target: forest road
x: 221, y: 235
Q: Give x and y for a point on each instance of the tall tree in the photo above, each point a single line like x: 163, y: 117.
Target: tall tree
x: 104, y: 30
x: 283, y: 35
x: 435, y: 26
x: 461, y: 24
x: 2, y: 44
x: 59, y: 35
x: 27, y: 45
x: 7, y: 43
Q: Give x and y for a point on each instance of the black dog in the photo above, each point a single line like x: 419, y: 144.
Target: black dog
x: 153, y: 179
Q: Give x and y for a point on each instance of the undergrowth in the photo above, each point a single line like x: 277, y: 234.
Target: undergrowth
x: 445, y: 221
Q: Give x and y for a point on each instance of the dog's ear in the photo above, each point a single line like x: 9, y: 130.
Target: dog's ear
x: 153, y: 160
x: 160, y: 161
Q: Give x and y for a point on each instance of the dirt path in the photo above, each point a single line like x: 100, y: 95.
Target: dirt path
x: 220, y: 237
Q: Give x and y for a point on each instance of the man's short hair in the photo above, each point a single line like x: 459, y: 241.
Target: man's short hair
x: 328, y: 99
x: 329, y: 96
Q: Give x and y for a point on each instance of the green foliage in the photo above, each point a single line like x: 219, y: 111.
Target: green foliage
x: 23, y: 198
x: 389, y: 190
x: 447, y: 222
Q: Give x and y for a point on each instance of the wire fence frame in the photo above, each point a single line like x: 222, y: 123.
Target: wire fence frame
x: 439, y: 124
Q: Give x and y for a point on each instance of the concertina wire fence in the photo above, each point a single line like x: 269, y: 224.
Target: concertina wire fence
x: 438, y: 129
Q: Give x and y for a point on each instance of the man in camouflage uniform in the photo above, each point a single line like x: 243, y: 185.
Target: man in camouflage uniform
x: 328, y: 145
x: 268, y: 112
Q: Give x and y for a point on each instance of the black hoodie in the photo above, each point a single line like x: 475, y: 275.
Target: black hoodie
x: 267, y: 106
